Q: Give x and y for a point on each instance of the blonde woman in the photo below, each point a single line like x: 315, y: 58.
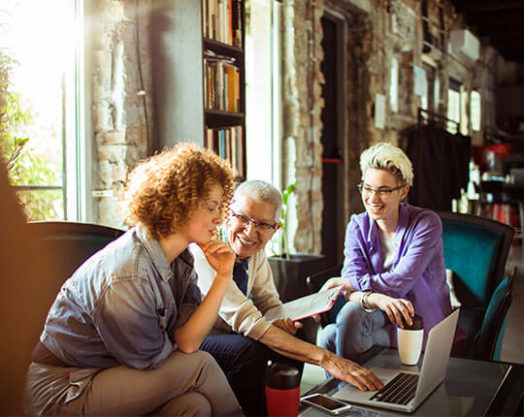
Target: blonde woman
x: 122, y: 336
x: 394, y: 261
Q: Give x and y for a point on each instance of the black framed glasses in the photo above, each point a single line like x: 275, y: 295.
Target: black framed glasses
x: 244, y: 221
x: 382, y: 192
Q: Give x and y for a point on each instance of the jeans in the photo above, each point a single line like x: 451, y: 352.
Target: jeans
x: 244, y: 361
x: 355, y: 331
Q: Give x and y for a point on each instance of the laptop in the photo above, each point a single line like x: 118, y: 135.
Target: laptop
x: 404, y: 390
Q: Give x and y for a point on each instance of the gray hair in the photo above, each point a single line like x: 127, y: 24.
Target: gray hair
x: 260, y: 190
x: 389, y: 157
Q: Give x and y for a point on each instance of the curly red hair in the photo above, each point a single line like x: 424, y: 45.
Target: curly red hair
x: 164, y: 190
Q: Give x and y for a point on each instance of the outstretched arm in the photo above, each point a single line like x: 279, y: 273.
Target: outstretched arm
x: 335, y: 365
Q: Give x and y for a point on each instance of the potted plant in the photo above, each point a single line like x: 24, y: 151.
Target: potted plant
x: 291, y: 270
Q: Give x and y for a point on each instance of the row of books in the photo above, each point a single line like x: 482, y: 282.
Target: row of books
x: 221, y: 83
x: 222, y: 21
x: 228, y: 143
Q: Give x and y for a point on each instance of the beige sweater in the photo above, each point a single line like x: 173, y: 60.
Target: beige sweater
x: 240, y: 313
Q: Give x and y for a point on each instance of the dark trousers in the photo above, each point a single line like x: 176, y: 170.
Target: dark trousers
x: 244, y: 362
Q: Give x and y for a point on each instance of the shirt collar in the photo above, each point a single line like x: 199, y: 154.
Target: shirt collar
x: 401, y: 226
x: 155, y: 251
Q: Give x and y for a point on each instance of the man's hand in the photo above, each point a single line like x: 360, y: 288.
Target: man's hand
x: 220, y: 256
x: 395, y: 308
x: 351, y: 372
x: 287, y: 325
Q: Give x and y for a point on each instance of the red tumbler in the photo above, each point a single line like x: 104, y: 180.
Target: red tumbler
x: 282, y: 390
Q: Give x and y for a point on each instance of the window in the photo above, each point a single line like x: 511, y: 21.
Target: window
x: 38, y: 46
x: 430, y: 97
x: 393, y: 85
x: 263, y: 92
x: 454, y: 104
x: 475, y: 109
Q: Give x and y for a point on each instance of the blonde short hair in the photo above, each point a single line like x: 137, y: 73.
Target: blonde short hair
x: 163, y: 191
x: 386, y: 156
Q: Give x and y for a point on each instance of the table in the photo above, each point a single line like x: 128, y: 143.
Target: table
x: 471, y: 387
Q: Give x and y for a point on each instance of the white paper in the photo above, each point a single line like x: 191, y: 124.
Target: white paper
x: 305, y: 306
x: 380, y: 111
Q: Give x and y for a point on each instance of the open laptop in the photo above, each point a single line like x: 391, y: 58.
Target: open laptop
x: 404, y: 390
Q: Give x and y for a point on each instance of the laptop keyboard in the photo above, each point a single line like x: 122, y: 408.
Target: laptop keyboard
x: 400, y: 390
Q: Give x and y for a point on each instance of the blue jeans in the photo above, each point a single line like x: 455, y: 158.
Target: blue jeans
x: 355, y: 332
x: 244, y: 361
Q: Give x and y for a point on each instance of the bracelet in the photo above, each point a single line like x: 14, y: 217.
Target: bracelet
x: 364, y: 304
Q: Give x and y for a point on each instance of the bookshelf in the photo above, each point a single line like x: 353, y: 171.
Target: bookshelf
x: 199, y: 76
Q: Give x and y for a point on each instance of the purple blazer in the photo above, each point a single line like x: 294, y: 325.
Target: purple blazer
x: 418, y: 272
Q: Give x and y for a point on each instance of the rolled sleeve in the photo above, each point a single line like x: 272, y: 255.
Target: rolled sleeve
x: 191, y: 301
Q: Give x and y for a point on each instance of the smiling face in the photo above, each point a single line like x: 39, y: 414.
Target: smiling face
x: 382, y: 208
x: 245, y: 238
x: 205, y: 220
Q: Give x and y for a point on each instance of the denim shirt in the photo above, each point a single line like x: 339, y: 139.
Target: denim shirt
x: 122, y: 305
x: 418, y: 272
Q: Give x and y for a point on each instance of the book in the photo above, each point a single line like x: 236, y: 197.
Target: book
x: 306, y: 306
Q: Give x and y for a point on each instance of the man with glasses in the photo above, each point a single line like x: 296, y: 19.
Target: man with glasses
x: 242, y: 340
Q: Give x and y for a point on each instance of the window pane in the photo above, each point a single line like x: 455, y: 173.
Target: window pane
x: 42, y: 204
x: 475, y: 110
x: 36, y: 43
x: 453, y: 109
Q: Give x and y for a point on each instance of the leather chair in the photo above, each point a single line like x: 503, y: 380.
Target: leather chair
x: 476, y: 249
x: 69, y: 244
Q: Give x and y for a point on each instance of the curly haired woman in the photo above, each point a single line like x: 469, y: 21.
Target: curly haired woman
x: 122, y: 337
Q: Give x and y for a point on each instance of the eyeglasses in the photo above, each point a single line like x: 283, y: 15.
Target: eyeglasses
x: 382, y: 192
x: 244, y: 221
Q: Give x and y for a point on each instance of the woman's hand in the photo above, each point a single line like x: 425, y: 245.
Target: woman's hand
x: 220, y: 256
x: 395, y: 308
x: 288, y: 325
x: 332, y: 283
x: 337, y: 282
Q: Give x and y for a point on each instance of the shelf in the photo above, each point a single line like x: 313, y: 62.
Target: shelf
x: 223, y: 48
x: 199, y: 82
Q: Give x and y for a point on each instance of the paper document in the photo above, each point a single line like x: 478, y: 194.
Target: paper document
x: 305, y: 306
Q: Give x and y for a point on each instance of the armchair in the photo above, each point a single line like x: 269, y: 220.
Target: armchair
x: 70, y: 244
x: 476, y: 249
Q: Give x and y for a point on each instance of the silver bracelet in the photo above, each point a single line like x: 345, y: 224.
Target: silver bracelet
x: 364, y: 304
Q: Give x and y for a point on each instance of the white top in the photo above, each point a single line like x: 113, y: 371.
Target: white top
x: 240, y: 313
x: 389, y: 251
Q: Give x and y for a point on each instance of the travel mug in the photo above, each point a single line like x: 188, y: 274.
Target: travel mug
x: 282, y: 389
x: 410, y: 340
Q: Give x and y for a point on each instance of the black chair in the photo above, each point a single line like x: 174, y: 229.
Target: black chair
x: 71, y: 243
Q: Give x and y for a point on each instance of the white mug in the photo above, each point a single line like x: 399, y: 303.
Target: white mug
x: 409, y: 345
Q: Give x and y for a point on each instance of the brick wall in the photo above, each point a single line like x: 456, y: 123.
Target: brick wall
x: 119, y: 129
x: 376, y: 32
